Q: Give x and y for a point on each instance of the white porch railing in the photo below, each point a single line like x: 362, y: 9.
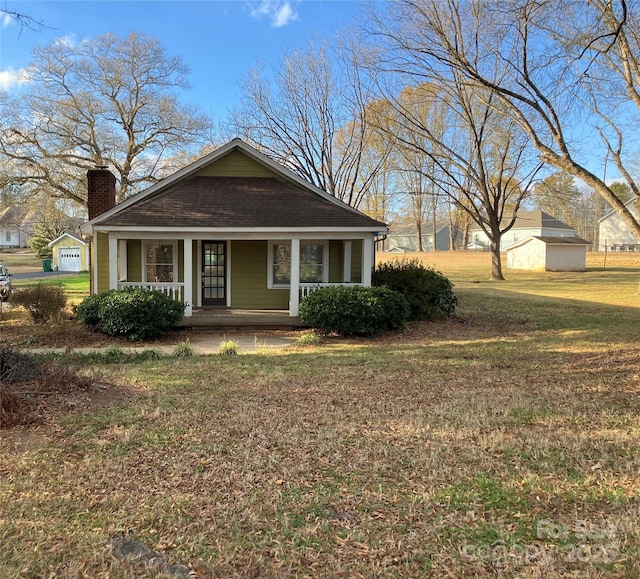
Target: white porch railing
x: 307, y: 288
x: 173, y: 290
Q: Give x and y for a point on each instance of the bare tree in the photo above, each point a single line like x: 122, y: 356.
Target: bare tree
x: 108, y: 101
x: 313, y: 118
x: 23, y: 20
x: 478, y: 158
x: 568, y: 73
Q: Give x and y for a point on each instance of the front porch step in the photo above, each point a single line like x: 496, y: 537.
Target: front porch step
x: 228, y: 318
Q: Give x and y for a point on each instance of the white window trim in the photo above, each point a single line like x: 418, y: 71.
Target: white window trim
x: 325, y: 260
x: 148, y: 242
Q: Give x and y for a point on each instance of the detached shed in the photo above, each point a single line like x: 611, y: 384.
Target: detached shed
x: 544, y: 253
x: 70, y: 253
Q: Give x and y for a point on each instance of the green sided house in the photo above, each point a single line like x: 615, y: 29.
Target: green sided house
x: 233, y: 230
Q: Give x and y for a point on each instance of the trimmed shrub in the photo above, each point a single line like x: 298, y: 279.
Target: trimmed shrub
x: 133, y: 312
x: 429, y: 293
x: 88, y: 311
x: 44, y: 302
x: 355, y: 310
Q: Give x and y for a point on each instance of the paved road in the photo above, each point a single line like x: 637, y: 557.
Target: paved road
x: 37, y: 274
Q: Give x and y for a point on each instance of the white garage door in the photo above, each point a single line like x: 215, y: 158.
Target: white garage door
x: 69, y: 259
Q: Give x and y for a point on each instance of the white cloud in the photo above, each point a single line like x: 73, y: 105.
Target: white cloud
x: 67, y: 40
x: 279, y: 12
x: 284, y: 15
x: 6, y: 20
x: 10, y: 78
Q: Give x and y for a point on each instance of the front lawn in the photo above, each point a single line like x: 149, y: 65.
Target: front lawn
x: 502, y: 442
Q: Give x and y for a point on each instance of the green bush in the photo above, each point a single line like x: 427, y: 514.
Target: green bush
x: 88, y: 311
x: 429, y: 293
x: 44, y: 302
x: 354, y: 310
x: 134, y: 313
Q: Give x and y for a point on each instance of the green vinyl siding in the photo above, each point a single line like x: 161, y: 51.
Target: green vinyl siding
x: 101, y: 241
x: 134, y: 260
x: 235, y: 164
x: 336, y: 261
x: 336, y: 258
x: 356, y: 261
x: 249, y: 278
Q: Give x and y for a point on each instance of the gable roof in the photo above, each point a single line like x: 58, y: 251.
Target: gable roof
x: 538, y: 219
x: 535, y: 220
x: 67, y: 234
x: 630, y: 204
x: 234, y: 202
x: 13, y: 215
x: 188, y: 199
x: 412, y: 230
x: 551, y: 240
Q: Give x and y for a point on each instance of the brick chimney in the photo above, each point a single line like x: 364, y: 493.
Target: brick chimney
x: 101, y: 191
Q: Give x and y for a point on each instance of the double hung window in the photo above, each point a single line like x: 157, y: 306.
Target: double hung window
x: 160, y: 262
x: 313, y: 262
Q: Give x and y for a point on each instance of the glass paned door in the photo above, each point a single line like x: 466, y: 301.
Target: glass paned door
x: 214, y: 273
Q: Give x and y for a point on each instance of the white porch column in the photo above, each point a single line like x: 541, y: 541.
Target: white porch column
x: 113, y: 261
x: 346, y: 268
x: 294, y: 292
x: 188, y: 277
x: 122, y: 260
x: 367, y: 260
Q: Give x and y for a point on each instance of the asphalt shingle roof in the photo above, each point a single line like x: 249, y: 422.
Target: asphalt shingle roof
x: 230, y: 202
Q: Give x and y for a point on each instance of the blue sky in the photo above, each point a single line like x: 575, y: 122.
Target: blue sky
x: 218, y: 40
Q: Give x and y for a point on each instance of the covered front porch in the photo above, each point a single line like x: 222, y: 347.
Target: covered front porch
x: 246, y: 319
x: 237, y: 281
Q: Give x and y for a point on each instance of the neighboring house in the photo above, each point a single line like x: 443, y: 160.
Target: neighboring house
x: 527, y: 224
x: 405, y: 239
x: 70, y: 253
x: 614, y: 234
x: 540, y: 253
x: 16, y: 225
x: 232, y: 230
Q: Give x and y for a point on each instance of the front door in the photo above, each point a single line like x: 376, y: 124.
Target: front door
x: 214, y: 273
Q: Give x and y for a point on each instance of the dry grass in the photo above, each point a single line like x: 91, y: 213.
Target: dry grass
x: 20, y: 260
x: 503, y: 443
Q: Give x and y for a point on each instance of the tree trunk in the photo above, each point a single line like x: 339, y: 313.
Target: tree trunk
x: 465, y: 235
x: 496, y: 261
x: 434, y: 216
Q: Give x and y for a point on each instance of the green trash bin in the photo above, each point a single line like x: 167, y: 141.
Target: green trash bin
x: 46, y: 265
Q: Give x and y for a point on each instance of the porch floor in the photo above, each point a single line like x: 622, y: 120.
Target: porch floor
x: 234, y: 318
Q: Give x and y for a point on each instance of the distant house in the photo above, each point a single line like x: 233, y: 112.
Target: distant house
x: 404, y: 239
x: 16, y: 225
x: 527, y: 224
x: 614, y: 234
x: 540, y: 253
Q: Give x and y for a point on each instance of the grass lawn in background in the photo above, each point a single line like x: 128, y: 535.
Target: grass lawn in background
x: 75, y: 285
x: 20, y: 260
x: 503, y: 442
